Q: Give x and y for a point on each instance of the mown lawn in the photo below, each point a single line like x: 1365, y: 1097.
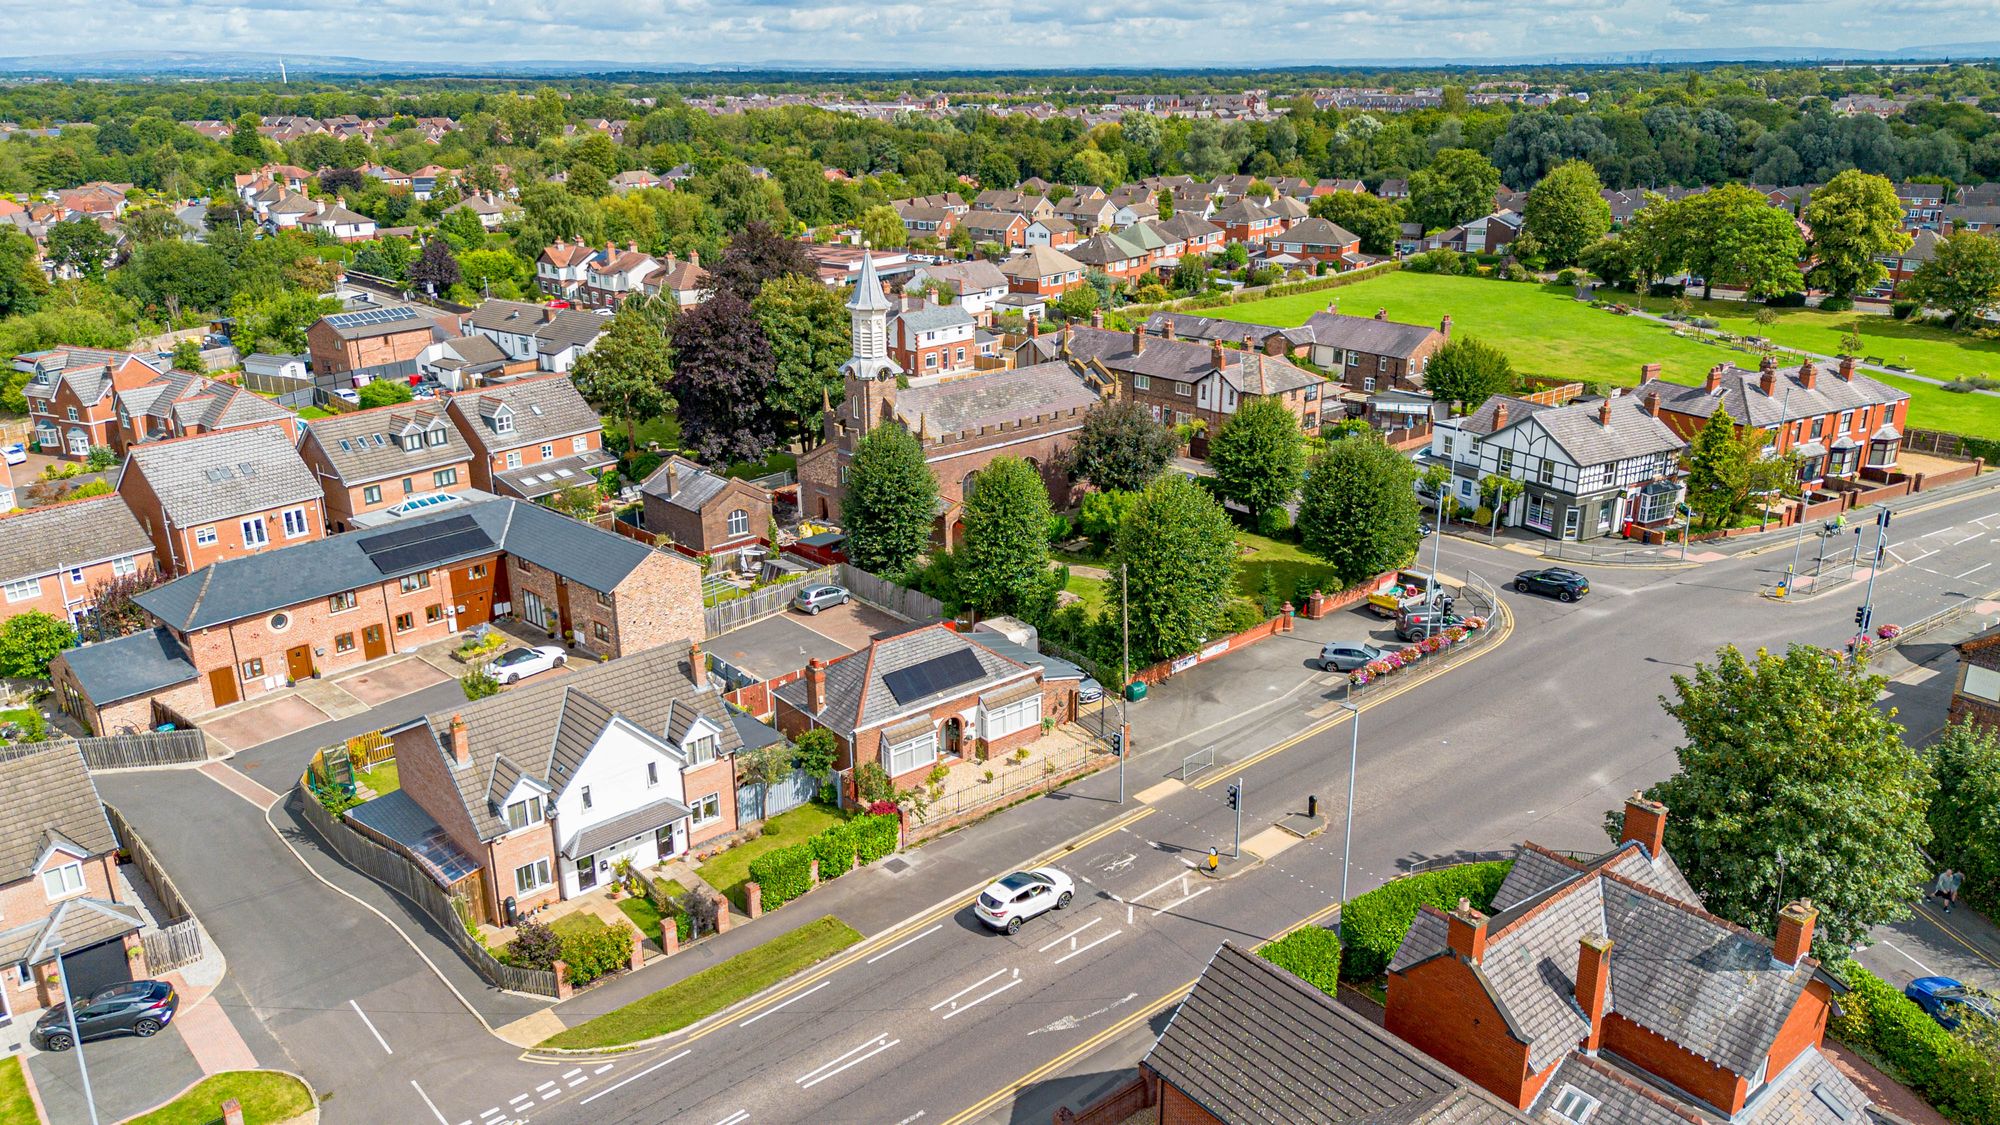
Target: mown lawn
x: 1091, y: 590
x: 16, y: 1107
x: 712, y: 989
x: 730, y: 870
x: 1545, y: 331
x: 266, y: 1096
x: 381, y: 777
x: 1291, y: 562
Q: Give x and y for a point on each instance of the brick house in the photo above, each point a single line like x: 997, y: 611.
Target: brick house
x: 1004, y: 228
x: 919, y: 698
x: 1903, y: 265
x: 562, y: 268
x: 1247, y: 220
x: 1051, y: 230
x: 1028, y: 205
x: 1318, y: 240
x: 1923, y: 205
x: 247, y: 625
x: 926, y: 220
x: 53, y: 559
x: 703, y: 512
x: 385, y: 342
x: 975, y: 285
x: 1116, y: 254
x: 59, y: 887
x: 1975, y: 698
x: 550, y: 339
x: 1091, y: 210
x: 611, y: 275
x: 1043, y: 272
x: 1841, y: 423
x: 1373, y: 353
x: 530, y: 438
x: 72, y: 396
x: 1602, y: 988
x: 372, y: 460
x: 178, y: 404
x: 221, y: 496
x: 1188, y: 233
x: 543, y: 788
x: 926, y: 338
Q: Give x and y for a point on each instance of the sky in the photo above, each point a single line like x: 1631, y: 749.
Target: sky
x: 1019, y: 34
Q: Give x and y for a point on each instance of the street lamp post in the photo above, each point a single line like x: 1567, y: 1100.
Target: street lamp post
x: 1125, y: 673
x: 1347, y: 846
x: 75, y: 1040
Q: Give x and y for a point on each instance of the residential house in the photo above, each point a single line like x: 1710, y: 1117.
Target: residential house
x: 1587, y: 470
x: 1975, y: 697
x: 633, y: 180
x: 251, y: 624
x: 1113, y: 254
x: 371, y: 460
x: 1050, y: 230
x: 703, y: 512
x: 338, y: 223
x: 926, y: 338
x: 221, y: 496
x: 532, y: 437
x: 72, y: 396
x: 67, y: 912
x: 612, y: 275
x: 563, y: 268
x: 1978, y: 195
x: 1002, y: 228
x: 1902, y: 266
x: 493, y: 210
x: 1971, y: 216
x: 1489, y: 234
x: 464, y: 361
x: 429, y: 180
x: 975, y: 286
x: 1188, y: 233
x: 55, y: 559
x: 926, y: 220
x: 365, y: 344
x: 544, y: 789
x: 1318, y: 240
x: 1091, y: 210
x: 1025, y: 204
x: 682, y: 281
x: 1601, y: 989
x: 1135, y: 212
x: 99, y: 201
x: 1042, y: 272
x: 913, y: 700
x: 389, y: 177
x: 549, y: 338
x: 1840, y: 423
x: 177, y: 404
x: 1923, y: 205
x: 1247, y: 220
x: 1373, y: 353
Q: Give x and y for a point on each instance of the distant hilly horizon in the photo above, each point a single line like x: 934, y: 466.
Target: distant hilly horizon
x: 237, y: 64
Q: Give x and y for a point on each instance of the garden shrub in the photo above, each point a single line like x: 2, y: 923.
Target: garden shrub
x: 1952, y: 1071
x: 834, y: 848
x: 1904, y: 309
x: 875, y: 836
x: 1566, y: 277
x: 592, y: 948
x: 535, y: 946
x: 783, y: 875
x: 1239, y: 615
x: 1311, y: 954
x: 1826, y: 304
x: 1483, y: 516
x: 1375, y: 923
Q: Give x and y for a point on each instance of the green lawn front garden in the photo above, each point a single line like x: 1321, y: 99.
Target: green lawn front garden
x: 711, y: 990
x: 16, y: 1107
x: 730, y: 870
x: 266, y: 1096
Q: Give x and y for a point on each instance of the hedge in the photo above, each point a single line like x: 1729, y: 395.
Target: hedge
x: 591, y: 947
x: 876, y: 836
x: 783, y: 875
x: 1375, y: 923
x: 834, y: 848
x: 1311, y: 954
x: 1955, y: 1075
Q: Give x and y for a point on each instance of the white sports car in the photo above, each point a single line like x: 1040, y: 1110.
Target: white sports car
x: 520, y: 663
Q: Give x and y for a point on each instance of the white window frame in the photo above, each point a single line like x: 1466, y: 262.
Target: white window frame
x: 255, y: 534
x: 1009, y: 718
x: 707, y: 809
x: 700, y: 750
x: 579, y: 444
x: 1142, y: 382
x: 25, y: 589
x: 909, y: 751
x: 739, y: 522
x: 513, y: 460
x: 531, y: 811
x: 204, y: 536
x: 444, y: 478
x: 64, y: 881
x: 125, y: 567
x: 537, y: 877
x: 371, y: 494
x: 296, y: 523
x: 1573, y: 1105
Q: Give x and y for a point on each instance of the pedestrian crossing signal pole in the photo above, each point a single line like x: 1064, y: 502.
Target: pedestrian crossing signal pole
x: 1866, y: 615
x: 1125, y: 674
x: 1236, y: 802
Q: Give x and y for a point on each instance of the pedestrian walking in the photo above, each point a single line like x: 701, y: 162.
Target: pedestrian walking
x: 1946, y: 887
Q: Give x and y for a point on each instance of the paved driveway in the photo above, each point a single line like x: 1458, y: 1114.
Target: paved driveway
x: 254, y: 726
x: 853, y: 624
x: 127, y: 1076
x: 377, y: 686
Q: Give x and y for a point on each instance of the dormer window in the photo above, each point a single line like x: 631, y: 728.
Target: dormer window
x: 437, y: 435
x: 700, y: 751
x: 412, y: 443
x: 63, y: 881
x: 520, y: 814
x: 503, y: 421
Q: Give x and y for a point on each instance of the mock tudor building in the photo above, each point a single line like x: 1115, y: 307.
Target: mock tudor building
x: 530, y: 438
x: 1366, y: 354
x: 702, y: 512
x: 221, y: 496
x: 1601, y: 989
x: 54, y: 559
x: 544, y: 788
x: 1975, y: 698
x: 1839, y: 422
x: 371, y: 460
x: 249, y: 625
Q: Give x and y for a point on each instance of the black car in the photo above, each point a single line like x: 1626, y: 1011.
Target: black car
x: 141, y: 1007
x: 1561, y: 583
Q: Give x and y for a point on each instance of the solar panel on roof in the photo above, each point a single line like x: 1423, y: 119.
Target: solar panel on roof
x: 430, y: 552
x: 370, y: 316
x: 929, y: 677
x: 404, y: 536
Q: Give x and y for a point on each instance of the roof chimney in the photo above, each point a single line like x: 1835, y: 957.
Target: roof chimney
x: 1097, y: 318
x: 1171, y: 333
x: 1499, y: 415
x: 1138, y: 339
x: 697, y: 666
x: 461, y: 746
x: 1646, y: 822
x: 1333, y: 305
x: 1847, y: 368
x: 1808, y: 375
x: 1593, y: 982
x: 1604, y: 413
x: 673, y: 477
x: 1444, y: 326
x: 1381, y: 314
x: 1653, y: 403
x: 1466, y: 932
x: 1648, y: 372
x: 816, y: 686
x: 694, y: 257
x: 1215, y: 351
x: 1068, y: 331
x: 1795, y: 931
x: 1249, y: 342
x: 1767, y: 378
x: 1713, y: 384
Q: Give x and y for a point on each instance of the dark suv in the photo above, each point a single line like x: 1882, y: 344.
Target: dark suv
x: 1561, y: 583
x: 141, y: 1007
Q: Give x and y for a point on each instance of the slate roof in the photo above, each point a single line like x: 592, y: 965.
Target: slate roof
x: 691, y: 485
x: 975, y: 275
x: 1040, y: 261
x: 50, y: 799
x: 552, y: 329
x: 1253, y: 1045
x: 215, y: 476
x: 366, y: 445
x: 1105, y: 248
x: 1194, y: 326
x: 129, y: 666
x: 1366, y: 334
x: 1255, y: 373
x: 1481, y: 420
x: 924, y: 316
x: 989, y: 220
x: 1633, y: 431
x: 543, y: 408
x: 1742, y: 394
x: 478, y: 353
x: 232, y: 589
x: 1185, y: 361
x: 544, y: 730
x: 1319, y: 232
x: 992, y: 397
x: 535, y: 481
x: 60, y: 536
x: 1806, y: 1092
x: 857, y: 697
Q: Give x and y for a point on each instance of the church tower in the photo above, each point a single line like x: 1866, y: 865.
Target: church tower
x: 869, y: 375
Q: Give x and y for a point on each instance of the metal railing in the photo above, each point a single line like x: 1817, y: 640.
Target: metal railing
x: 1835, y: 568
x: 1206, y: 756
x: 1010, y: 782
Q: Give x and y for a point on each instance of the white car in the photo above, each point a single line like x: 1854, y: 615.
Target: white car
x: 520, y: 663
x: 15, y: 454
x: 1023, y: 895
x: 345, y: 395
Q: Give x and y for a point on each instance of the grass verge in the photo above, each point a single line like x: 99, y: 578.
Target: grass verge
x: 266, y: 1096
x: 711, y: 990
x: 730, y: 870
x: 16, y: 1107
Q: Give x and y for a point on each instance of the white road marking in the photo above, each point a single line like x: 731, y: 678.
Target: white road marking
x: 494, y: 1112
x: 578, y: 1081
x: 904, y: 942
x: 1974, y: 570
x: 517, y: 1099
x: 442, y: 1119
x: 371, y: 1026
x: 736, y: 1118
x: 1922, y: 557
x: 1964, y: 541
x: 1919, y: 964
x: 910, y: 1118
x: 971, y: 1004
x: 551, y: 1094
x: 1939, y: 531
x: 572, y: 1072
x: 821, y: 1073
x: 1180, y: 878
x: 1897, y: 557
x: 1088, y: 948
x: 545, y: 1087
x: 1070, y: 936
x: 636, y: 1077
x: 1183, y: 900
x: 602, y: 1069
x: 1128, y: 914
x: 969, y: 988
x: 793, y: 1000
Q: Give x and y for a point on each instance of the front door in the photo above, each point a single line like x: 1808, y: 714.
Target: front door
x: 586, y: 873
x: 373, y: 645
x: 663, y: 839
x: 222, y: 685
x: 299, y: 662
x: 533, y: 613
x: 953, y: 731
x: 476, y: 610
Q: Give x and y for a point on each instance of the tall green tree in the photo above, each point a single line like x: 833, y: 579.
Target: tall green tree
x: 1855, y: 220
x: 1378, y: 221
x: 1359, y: 509
x: 1566, y: 213
x: 1718, y: 480
x: 806, y: 323
x: 1792, y: 783
x: 1735, y: 237
x: 1004, y: 562
x: 1259, y: 456
x: 1459, y: 185
x: 1179, y: 552
x: 883, y: 228
x: 625, y: 376
x: 1965, y: 814
x: 1962, y: 277
x: 80, y: 246
x: 28, y: 641
x: 22, y: 283
x: 722, y: 372
x: 244, y: 140
x: 1468, y: 371
x: 1120, y: 447
x: 891, y: 501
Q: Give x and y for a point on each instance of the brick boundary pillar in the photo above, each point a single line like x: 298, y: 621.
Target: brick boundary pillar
x: 135, y: 955
x: 753, y: 898
x: 638, y: 958
x: 721, y: 914
x: 564, y: 990
x: 670, y: 936
x: 232, y: 1112
x: 1287, y: 611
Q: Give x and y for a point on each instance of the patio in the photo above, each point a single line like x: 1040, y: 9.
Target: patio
x: 971, y: 783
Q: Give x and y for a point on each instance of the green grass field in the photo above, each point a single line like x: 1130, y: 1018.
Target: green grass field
x: 266, y: 1096
x: 1547, y: 332
x: 16, y: 1107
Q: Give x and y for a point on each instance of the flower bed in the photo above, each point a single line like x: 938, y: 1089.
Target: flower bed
x: 1418, y: 651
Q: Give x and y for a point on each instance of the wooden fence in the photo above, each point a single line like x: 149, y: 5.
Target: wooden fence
x: 179, y: 941
x: 125, y: 751
x: 172, y: 947
x: 883, y: 594
x: 759, y: 604
x: 404, y: 877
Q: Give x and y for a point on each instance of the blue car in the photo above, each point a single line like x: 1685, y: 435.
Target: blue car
x: 1947, y: 999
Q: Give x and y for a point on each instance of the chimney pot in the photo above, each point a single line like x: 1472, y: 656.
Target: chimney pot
x: 1713, y: 383
x: 1847, y: 368
x: 1653, y: 403
x: 1171, y: 333
x: 1604, y: 413
x: 1767, y: 379
x: 1215, y: 351
x: 461, y: 745
x: 1808, y: 375
x: 1444, y: 325
x: 1466, y: 932
x: 816, y: 685
x: 1097, y: 318
x: 1795, y: 931
x: 697, y: 665
x: 1648, y: 372
x: 1138, y: 339
x: 1645, y: 822
x: 1593, y: 981
x: 1500, y: 416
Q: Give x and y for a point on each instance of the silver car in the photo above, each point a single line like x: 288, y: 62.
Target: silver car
x: 812, y: 599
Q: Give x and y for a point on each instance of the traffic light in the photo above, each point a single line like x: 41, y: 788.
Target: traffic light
x: 1117, y: 743
x: 1861, y: 618
x: 1235, y: 795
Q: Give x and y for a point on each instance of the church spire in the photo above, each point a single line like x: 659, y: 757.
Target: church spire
x: 868, y: 324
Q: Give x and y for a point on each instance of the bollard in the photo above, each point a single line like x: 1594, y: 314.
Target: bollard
x: 1312, y: 806
x: 1214, y: 859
